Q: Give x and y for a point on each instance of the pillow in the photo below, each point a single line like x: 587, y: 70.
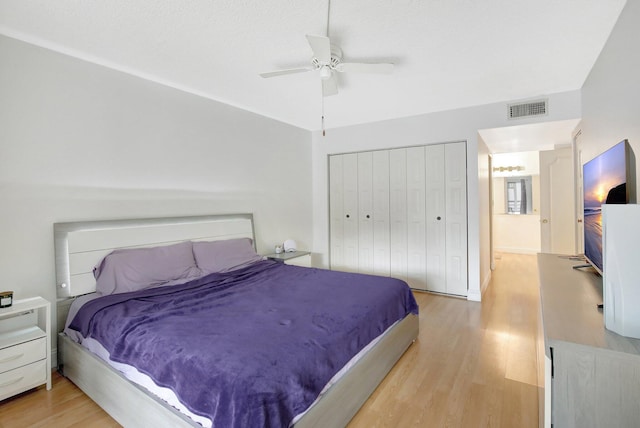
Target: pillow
x: 134, y: 269
x: 224, y: 256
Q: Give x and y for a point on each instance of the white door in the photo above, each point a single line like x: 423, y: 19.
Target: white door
x: 416, y: 246
x: 398, y: 213
x: 435, y: 219
x: 336, y: 212
x: 381, y: 256
x: 577, y: 150
x: 350, y: 212
x: 557, y: 213
x: 446, y: 180
x: 455, y: 161
x: 365, y: 212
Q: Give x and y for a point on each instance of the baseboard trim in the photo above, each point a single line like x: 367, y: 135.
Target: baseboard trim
x: 517, y: 250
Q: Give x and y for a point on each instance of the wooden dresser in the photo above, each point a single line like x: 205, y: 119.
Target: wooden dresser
x: 591, y: 375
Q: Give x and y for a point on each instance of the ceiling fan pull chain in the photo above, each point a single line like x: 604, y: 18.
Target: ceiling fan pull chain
x: 322, y: 118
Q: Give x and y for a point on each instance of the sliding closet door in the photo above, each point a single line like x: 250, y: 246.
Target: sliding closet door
x: 350, y: 212
x: 416, y: 251
x: 336, y: 210
x: 456, y: 190
x: 446, y: 178
x: 436, y: 219
x: 343, y: 212
x: 398, y: 212
x: 381, y: 251
x: 365, y: 212
x: 402, y: 213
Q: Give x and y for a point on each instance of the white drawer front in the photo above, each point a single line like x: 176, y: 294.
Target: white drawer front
x: 304, y: 261
x: 22, y: 354
x: 22, y: 378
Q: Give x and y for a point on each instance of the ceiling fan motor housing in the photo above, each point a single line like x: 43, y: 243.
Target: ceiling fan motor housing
x: 336, y: 58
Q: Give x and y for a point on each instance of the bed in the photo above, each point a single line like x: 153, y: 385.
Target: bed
x: 82, y: 245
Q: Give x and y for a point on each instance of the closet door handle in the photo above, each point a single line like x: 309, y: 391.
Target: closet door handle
x: 347, y: 215
x: 368, y: 216
x: 438, y: 218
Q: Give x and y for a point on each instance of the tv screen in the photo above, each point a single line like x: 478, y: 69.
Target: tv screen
x: 604, y: 182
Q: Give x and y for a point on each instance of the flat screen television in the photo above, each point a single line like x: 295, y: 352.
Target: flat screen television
x: 604, y: 182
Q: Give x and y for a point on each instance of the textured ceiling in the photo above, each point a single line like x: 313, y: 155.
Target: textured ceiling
x: 531, y: 137
x: 448, y: 53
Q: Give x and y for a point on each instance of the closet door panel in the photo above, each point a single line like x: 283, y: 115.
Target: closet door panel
x: 336, y: 210
x: 381, y: 243
x: 398, y: 213
x: 436, y: 278
x: 416, y: 261
x: 456, y: 189
x: 350, y: 212
x: 365, y: 210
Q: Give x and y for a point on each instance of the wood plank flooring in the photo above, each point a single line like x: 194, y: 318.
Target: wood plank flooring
x: 473, y: 365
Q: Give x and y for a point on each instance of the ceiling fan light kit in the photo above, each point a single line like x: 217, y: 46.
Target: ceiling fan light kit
x: 327, y: 59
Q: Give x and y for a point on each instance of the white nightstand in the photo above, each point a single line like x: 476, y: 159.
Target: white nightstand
x: 25, y: 356
x: 297, y: 258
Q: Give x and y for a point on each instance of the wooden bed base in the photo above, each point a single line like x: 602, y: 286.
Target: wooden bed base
x: 80, y: 245
x: 131, y: 406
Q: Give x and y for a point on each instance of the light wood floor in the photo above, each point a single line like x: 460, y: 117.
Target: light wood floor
x: 473, y: 365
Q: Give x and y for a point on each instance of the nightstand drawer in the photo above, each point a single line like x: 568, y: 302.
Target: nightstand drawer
x: 22, y: 354
x: 22, y: 378
x: 304, y: 261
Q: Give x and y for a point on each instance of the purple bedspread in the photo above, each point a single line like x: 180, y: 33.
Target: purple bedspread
x: 248, y: 348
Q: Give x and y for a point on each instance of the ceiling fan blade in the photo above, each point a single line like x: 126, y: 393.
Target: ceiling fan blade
x: 286, y: 71
x: 329, y: 86
x: 358, y: 67
x: 321, y: 47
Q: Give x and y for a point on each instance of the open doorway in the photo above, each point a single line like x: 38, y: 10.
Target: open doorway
x: 512, y: 218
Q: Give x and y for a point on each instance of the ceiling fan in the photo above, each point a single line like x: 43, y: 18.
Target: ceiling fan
x: 327, y: 59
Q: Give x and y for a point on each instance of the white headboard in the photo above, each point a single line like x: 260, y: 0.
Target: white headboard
x: 79, y: 246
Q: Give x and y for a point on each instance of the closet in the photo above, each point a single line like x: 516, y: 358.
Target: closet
x: 402, y: 213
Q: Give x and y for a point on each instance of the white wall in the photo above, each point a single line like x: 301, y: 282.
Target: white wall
x: 79, y: 141
x: 456, y: 125
x: 611, y: 93
x: 516, y: 233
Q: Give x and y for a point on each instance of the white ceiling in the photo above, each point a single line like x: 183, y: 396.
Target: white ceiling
x: 448, y: 53
x: 527, y: 138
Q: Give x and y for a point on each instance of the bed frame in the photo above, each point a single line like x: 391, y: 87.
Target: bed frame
x: 80, y: 245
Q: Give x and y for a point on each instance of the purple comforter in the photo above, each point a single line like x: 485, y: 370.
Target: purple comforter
x: 252, y: 347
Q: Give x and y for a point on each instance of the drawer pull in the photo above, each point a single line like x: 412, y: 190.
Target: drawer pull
x: 13, y: 357
x: 11, y: 382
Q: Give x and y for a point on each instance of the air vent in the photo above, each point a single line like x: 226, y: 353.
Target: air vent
x: 528, y: 109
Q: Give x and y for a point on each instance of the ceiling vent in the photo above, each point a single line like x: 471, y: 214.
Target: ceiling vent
x: 528, y: 109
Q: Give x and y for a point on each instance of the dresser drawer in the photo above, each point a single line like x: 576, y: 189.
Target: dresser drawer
x: 23, y: 378
x: 19, y: 355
